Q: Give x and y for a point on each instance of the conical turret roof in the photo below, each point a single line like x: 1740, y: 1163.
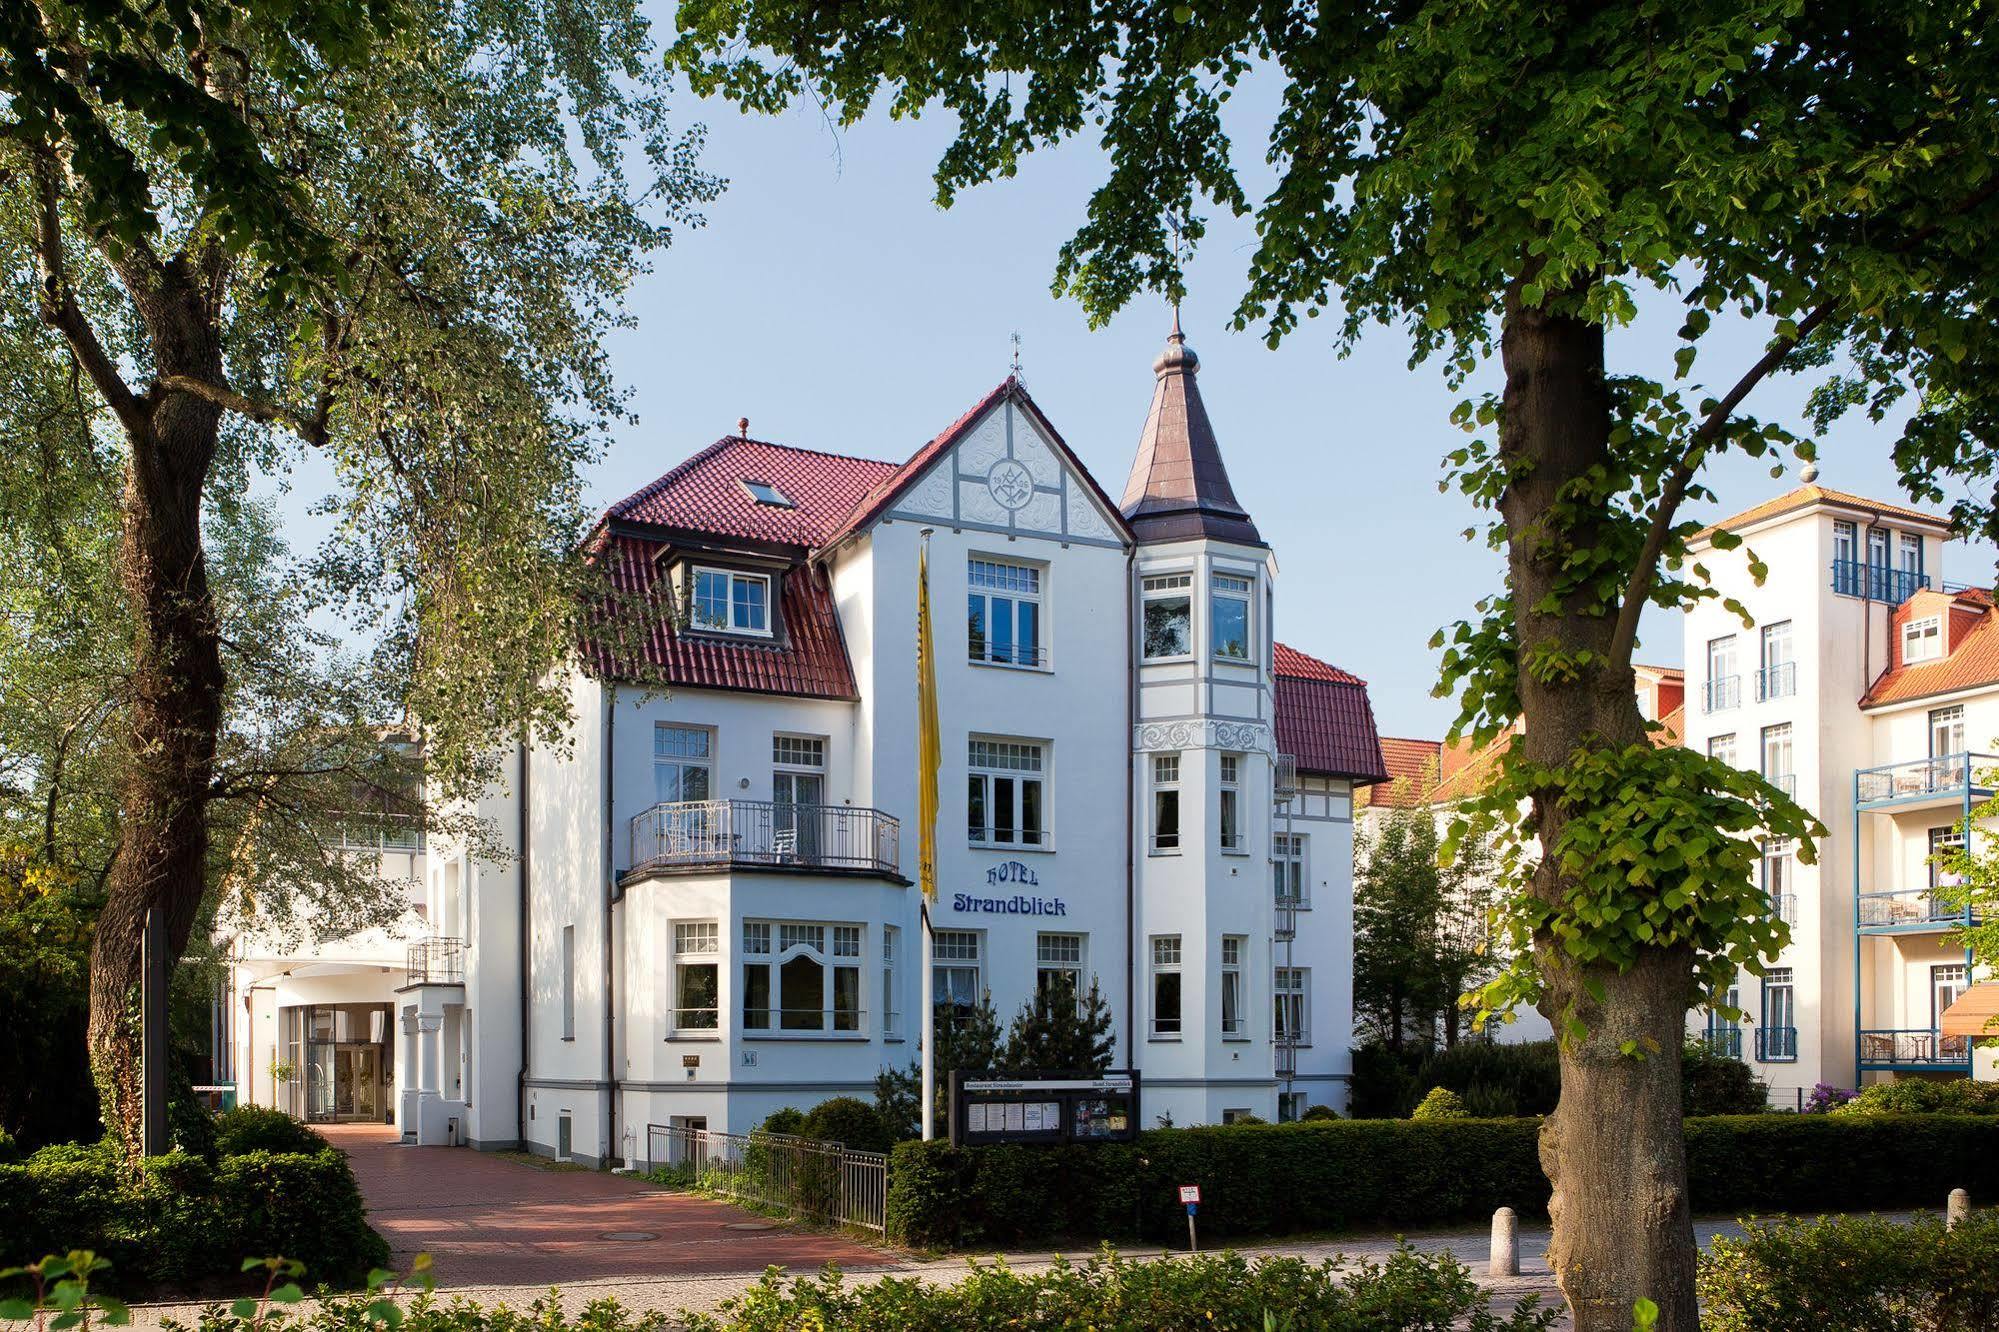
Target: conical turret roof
x: 1179, y: 489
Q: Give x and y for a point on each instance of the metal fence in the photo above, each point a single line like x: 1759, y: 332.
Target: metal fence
x: 802, y: 1177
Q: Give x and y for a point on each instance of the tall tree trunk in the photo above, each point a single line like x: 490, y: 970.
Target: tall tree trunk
x: 1613, y: 1148
x: 176, y: 687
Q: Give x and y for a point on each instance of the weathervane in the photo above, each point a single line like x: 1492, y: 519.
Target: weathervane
x: 1016, y: 354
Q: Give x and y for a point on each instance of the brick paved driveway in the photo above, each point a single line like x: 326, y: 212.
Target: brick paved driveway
x: 488, y: 1221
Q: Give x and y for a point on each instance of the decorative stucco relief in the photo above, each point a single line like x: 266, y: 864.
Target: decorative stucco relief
x: 1030, y: 448
x: 983, y: 446
x: 1248, y: 737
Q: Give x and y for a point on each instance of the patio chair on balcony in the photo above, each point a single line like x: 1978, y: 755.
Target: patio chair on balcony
x: 784, y: 846
x: 1877, y: 1048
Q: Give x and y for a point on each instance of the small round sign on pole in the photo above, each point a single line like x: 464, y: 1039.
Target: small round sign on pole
x: 1190, y: 1194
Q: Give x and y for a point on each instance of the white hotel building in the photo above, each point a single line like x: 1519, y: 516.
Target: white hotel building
x: 1866, y: 686
x: 709, y: 911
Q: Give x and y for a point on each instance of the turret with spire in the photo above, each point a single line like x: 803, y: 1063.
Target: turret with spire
x: 1179, y: 490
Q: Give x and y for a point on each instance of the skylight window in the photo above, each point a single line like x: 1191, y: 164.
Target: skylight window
x: 763, y: 492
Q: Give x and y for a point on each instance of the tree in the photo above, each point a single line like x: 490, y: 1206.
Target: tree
x: 1521, y: 183
x: 1059, y: 1031
x: 968, y: 1038
x: 1423, y: 929
x: 380, y: 241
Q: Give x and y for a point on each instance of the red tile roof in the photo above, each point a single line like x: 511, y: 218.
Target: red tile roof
x: 1803, y: 496
x: 706, y: 494
x: 1412, y: 767
x: 808, y: 659
x: 1972, y: 661
x: 1324, y: 719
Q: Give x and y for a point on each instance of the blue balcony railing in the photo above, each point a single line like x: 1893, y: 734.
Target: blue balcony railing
x: 1918, y: 779
x: 1722, y: 693
x: 1778, y: 681
x: 1777, y: 1045
x: 1724, y: 1041
x: 1913, y: 1047
x: 1876, y: 582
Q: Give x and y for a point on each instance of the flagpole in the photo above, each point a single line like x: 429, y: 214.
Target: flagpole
x: 927, y: 760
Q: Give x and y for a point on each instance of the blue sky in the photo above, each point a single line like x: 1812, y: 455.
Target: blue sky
x: 831, y: 302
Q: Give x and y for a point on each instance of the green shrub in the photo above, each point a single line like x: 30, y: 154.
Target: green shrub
x: 1484, y: 1101
x: 1440, y: 1103
x: 787, y: 1120
x: 851, y: 1123
x: 10, y: 1151
x: 1275, y: 1179
x: 1714, y: 1084
x: 1495, y: 1080
x: 256, y: 1128
x: 1319, y: 1112
x: 1858, y: 1274
x: 1959, y: 1096
x: 1218, y: 1291
x: 181, y: 1219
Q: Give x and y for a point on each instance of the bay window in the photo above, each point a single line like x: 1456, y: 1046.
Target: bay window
x: 697, y: 948
x: 1169, y: 616
x: 812, y: 972
x: 1228, y: 616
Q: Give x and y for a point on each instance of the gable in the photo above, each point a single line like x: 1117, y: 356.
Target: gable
x: 1006, y: 471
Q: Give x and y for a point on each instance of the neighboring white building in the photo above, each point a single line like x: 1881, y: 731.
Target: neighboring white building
x: 712, y: 884
x: 1865, y: 686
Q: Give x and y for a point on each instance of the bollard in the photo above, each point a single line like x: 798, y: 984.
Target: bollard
x: 1505, y: 1244
x: 1957, y: 1209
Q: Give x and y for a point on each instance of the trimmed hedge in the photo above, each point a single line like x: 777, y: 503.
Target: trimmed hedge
x: 1274, y: 1179
x: 181, y: 1219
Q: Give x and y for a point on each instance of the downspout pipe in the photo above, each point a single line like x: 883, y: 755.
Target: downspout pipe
x: 1131, y: 822
x: 610, y: 1116
x: 526, y: 834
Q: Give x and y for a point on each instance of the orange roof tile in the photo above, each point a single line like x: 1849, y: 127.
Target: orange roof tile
x: 1804, y: 496
x: 1972, y: 661
x: 1412, y: 766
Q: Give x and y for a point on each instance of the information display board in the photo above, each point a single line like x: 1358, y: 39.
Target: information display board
x: 1101, y: 1108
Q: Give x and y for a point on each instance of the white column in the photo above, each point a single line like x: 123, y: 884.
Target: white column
x: 430, y: 1026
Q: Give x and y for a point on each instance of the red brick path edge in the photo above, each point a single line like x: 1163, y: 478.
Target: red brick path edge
x: 489, y: 1221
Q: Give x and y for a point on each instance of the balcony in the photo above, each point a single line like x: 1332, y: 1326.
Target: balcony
x: 1286, y: 1050
x: 1894, y: 1049
x: 763, y: 834
x: 438, y: 961
x: 1724, y: 1041
x: 1784, y: 906
x: 1876, y: 582
x: 1722, y: 693
x: 1778, y: 681
x: 1777, y: 1045
x: 1284, y: 778
x: 1910, y: 911
x: 1950, y: 776
x: 1787, y: 782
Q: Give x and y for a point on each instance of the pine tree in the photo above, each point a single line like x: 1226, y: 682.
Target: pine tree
x: 1058, y: 1032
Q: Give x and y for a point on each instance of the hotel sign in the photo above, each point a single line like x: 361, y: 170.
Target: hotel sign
x: 1015, y: 904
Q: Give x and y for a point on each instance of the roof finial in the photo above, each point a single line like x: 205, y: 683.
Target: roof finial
x: 1014, y: 368
x: 743, y: 427
x: 1811, y: 472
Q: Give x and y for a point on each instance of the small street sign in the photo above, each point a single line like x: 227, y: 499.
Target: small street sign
x: 1190, y: 1193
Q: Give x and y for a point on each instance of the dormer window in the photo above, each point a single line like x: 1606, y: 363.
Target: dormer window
x: 724, y: 601
x: 763, y: 492
x: 1922, y: 640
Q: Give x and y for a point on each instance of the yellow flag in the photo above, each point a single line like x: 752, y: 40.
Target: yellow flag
x: 929, y: 747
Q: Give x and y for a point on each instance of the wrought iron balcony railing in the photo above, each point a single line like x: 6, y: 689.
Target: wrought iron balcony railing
x: 1909, y: 909
x: 1777, y: 1045
x: 1946, y: 774
x: 437, y: 961
x: 1284, y: 778
x: 1007, y: 654
x: 1784, y: 906
x: 1876, y: 582
x: 1778, y: 681
x: 766, y: 834
x: 1913, y: 1047
x: 1725, y: 1041
x: 1722, y: 693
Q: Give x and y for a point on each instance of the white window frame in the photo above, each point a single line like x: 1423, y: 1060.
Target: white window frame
x: 1289, y: 857
x: 1845, y: 542
x: 1225, y: 586
x: 568, y: 982
x: 1234, y: 993
x: 1780, y: 985
x: 1776, y: 651
x: 1909, y: 553
x: 1164, y: 588
x: 1164, y: 770
x: 1779, y: 755
x: 1229, y: 808
x: 1060, y: 953
x: 664, y: 757
x: 891, y: 1016
x: 994, y: 762
x: 1163, y: 954
x: 836, y: 947
x: 696, y: 619
x: 1721, y: 748
x: 1019, y: 584
x: 1950, y: 720
x: 697, y: 946
x: 957, y: 953
x: 1922, y: 640
x: 1291, y: 992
